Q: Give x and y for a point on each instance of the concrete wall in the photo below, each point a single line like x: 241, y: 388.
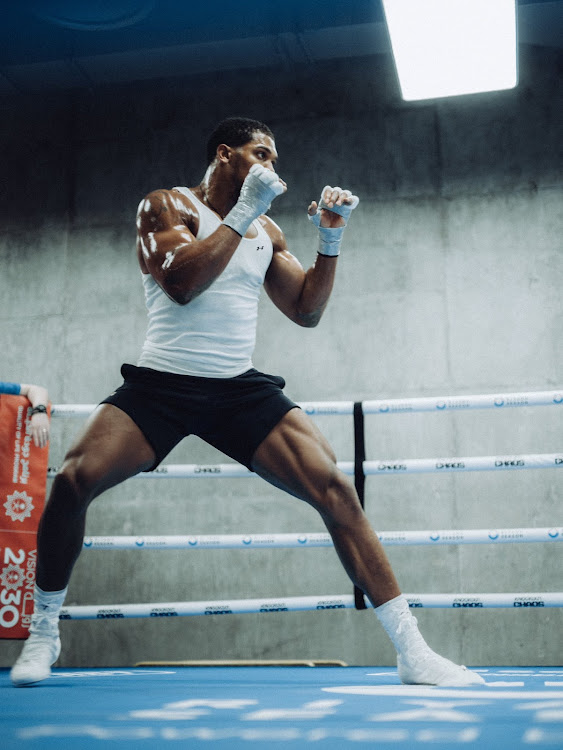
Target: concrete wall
x: 449, y: 283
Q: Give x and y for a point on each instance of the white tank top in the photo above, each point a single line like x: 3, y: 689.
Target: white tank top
x: 213, y: 335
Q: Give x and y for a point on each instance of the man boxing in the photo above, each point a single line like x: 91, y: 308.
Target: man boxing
x: 205, y: 254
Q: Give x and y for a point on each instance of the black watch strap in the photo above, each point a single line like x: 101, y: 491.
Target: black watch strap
x: 40, y: 409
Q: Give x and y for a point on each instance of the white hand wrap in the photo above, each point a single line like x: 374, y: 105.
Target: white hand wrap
x: 258, y: 191
x: 331, y: 237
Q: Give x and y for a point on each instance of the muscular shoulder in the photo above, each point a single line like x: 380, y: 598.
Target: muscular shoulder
x: 162, y: 209
x: 274, y: 232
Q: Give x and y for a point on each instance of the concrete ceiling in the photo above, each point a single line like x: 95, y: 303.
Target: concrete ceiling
x: 63, y: 44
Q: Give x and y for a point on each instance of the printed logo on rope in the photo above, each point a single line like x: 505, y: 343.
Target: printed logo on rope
x: 396, y: 407
x: 336, y: 604
x: 211, y: 541
x: 163, y: 613
x: 391, y: 536
x: 109, y: 614
x: 468, y: 603
x: 275, y: 607
x: 101, y: 542
x: 461, y: 404
x: 512, y: 401
x: 414, y: 602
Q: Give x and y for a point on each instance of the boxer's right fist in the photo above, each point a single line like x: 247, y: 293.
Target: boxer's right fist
x: 258, y: 190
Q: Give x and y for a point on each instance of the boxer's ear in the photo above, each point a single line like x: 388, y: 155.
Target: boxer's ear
x: 223, y: 152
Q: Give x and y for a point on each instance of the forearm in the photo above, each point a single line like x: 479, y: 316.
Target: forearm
x: 316, y: 291
x: 330, y: 216
x: 189, y: 269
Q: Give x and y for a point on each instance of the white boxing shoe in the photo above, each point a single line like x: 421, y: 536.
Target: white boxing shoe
x: 36, y: 658
x: 417, y: 664
x: 422, y: 666
x: 40, y: 651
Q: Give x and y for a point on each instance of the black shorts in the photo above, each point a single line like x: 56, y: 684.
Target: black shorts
x: 231, y: 414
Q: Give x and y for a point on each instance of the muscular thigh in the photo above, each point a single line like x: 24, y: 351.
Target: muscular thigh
x: 296, y: 457
x: 110, y: 449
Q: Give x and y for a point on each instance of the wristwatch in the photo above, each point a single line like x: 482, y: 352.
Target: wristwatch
x: 39, y: 409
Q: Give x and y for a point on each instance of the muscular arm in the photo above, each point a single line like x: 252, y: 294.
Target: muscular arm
x: 301, y: 295
x: 167, y: 248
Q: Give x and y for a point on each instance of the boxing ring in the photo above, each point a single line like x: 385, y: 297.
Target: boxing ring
x: 360, y: 468
x: 329, y: 708
x: 286, y: 704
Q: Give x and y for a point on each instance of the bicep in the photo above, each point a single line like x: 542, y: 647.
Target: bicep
x: 161, y: 248
x: 162, y: 234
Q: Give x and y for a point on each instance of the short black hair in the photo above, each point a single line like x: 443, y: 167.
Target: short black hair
x: 234, y: 131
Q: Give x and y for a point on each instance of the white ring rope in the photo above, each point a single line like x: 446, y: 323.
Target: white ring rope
x: 390, y: 406
x: 305, y: 603
x: 472, y: 463
x: 310, y: 540
x: 371, y: 468
x: 438, y: 403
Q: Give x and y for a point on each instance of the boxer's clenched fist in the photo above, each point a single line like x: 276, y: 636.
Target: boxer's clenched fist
x: 258, y: 190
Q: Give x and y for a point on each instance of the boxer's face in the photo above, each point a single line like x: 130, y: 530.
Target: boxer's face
x: 260, y: 150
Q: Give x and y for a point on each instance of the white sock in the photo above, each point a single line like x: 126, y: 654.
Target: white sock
x: 48, y: 605
x: 48, y: 599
